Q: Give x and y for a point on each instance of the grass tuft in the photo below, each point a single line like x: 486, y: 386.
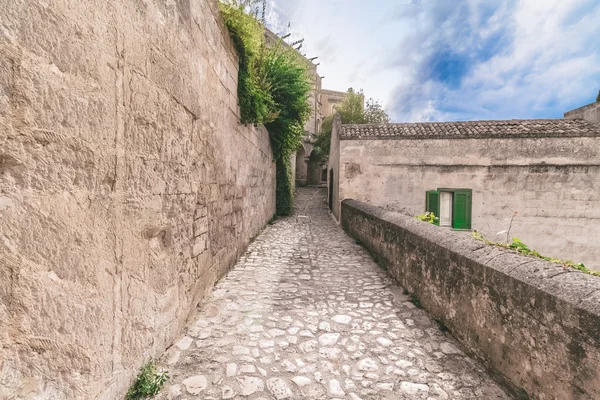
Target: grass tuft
x: 148, y: 383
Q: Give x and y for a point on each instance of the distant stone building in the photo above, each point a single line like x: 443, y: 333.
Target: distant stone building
x: 330, y: 99
x: 478, y: 175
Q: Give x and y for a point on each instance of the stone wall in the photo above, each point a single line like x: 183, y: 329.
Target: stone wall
x: 333, y: 169
x: 330, y: 99
x: 127, y: 186
x: 532, y: 322
x: 590, y: 113
x: 553, y: 183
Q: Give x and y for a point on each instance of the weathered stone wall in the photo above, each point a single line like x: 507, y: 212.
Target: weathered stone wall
x: 333, y: 170
x: 127, y: 187
x: 532, y: 322
x: 330, y: 99
x: 590, y: 113
x: 553, y: 183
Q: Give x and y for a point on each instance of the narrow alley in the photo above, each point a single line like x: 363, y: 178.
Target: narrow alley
x: 307, y: 314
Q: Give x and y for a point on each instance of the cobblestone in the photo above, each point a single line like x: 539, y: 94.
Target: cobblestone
x: 307, y: 314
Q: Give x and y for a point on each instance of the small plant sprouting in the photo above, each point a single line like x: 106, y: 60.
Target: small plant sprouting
x: 520, y: 247
x: 428, y: 217
x: 442, y: 326
x: 507, y: 232
x: 148, y: 382
x: 415, y: 300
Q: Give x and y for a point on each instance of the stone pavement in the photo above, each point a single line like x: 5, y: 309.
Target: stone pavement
x: 306, y: 313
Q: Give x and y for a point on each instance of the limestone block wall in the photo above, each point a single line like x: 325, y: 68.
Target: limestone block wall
x: 534, y: 324
x: 553, y: 184
x: 333, y: 170
x: 127, y: 186
x: 590, y: 112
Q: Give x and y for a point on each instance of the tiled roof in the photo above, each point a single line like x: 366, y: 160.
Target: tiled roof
x: 473, y: 129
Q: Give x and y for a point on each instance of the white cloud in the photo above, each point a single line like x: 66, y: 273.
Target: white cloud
x: 442, y: 60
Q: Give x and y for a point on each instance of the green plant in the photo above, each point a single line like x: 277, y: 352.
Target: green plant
x: 428, y: 217
x: 441, y: 325
x: 415, y: 300
x: 254, y: 97
x: 273, y: 89
x: 351, y: 111
x: 148, y: 382
x: 375, y: 113
x: 520, y: 247
x: 598, y: 98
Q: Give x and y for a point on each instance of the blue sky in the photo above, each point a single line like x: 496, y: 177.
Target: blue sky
x: 447, y: 60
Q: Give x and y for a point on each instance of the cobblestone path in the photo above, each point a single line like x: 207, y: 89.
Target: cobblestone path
x: 307, y: 314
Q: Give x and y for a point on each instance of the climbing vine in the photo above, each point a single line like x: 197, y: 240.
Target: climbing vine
x: 273, y: 89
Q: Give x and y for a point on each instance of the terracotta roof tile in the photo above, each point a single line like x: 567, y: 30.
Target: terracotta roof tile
x: 473, y: 129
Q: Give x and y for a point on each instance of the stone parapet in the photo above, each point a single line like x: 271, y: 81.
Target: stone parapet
x: 533, y: 323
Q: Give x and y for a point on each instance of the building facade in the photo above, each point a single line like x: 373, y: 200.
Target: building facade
x: 537, y: 180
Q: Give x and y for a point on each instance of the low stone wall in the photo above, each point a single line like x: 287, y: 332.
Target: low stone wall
x: 532, y: 322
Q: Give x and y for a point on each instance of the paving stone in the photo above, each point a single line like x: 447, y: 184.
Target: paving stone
x: 174, y: 392
x: 367, y: 364
x: 335, y: 388
x: 279, y: 388
x: 250, y: 385
x: 227, y: 392
x: 329, y: 339
x: 195, y: 384
x: 301, y: 381
x: 306, y: 304
x: 184, y: 343
x: 414, y: 389
x: 231, y: 369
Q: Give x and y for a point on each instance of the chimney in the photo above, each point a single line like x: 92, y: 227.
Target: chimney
x: 590, y: 113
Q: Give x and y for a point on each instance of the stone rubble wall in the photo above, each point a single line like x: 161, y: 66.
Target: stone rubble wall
x: 532, y: 322
x: 127, y: 186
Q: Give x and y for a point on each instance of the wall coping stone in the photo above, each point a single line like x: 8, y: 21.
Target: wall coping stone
x: 574, y: 286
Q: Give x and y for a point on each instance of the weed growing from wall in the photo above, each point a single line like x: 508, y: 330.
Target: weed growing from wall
x: 273, y: 89
x: 428, y: 217
x: 254, y: 97
x: 520, y: 247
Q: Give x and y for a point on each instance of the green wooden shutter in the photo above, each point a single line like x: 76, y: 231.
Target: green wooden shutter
x: 462, y: 205
x: 433, y: 203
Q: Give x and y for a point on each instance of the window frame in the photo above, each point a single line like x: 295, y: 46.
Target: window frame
x: 468, y: 211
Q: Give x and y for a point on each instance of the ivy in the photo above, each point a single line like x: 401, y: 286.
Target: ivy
x: 273, y: 89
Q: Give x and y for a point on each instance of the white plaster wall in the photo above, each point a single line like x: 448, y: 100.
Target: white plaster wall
x: 558, y: 200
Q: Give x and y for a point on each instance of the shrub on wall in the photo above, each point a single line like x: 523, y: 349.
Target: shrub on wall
x: 273, y: 89
x: 247, y: 33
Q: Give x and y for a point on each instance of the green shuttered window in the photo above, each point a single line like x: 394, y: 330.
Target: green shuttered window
x: 461, y: 209
x: 433, y: 203
x: 456, y: 210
